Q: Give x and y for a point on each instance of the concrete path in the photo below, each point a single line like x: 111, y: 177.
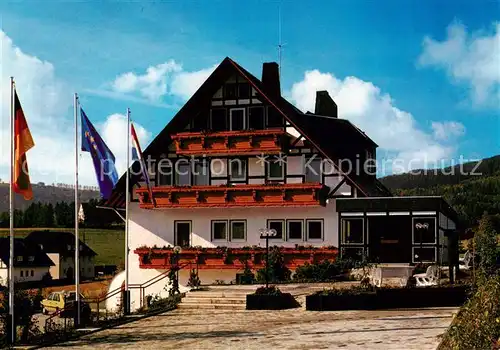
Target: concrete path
x: 287, y: 329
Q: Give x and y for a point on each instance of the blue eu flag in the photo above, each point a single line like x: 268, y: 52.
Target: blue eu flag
x: 103, y: 158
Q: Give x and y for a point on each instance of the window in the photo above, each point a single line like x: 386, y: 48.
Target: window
x: 22, y: 272
x: 295, y: 229
x: 31, y: 258
x: 424, y: 230
x: 165, y: 172
x: 219, y: 230
x: 238, y: 230
x: 218, y: 119
x: 313, y: 169
x: 237, y: 119
x: 243, y: 90
x: 32, y: 273
x: 256, y: 118
x: 424, y: 254
x: 352, y: 231
x: 20, y: 258
x: 276, y: 169
x: 352, y: 253
x: 238, y: 169
x: 201, y: 176
x: 56, y: 297
x: 183, y: 173
x: 274, y: 118
x: 69, y: 247
x: 51, y: 296
x: 314, y: 229
x: 279, y: 226
x: 231, y: 91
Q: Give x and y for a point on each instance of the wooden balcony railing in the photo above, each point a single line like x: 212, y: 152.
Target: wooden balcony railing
x: 246, y: 142
x: 230, y: 258
x: 307, y: 194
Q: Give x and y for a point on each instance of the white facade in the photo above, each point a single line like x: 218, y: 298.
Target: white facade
x: 22, y: 274
x: 63, y: 263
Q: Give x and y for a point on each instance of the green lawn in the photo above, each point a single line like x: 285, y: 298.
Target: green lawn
x: 108, y: 244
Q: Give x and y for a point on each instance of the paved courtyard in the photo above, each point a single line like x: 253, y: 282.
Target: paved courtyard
x: 288, y: 329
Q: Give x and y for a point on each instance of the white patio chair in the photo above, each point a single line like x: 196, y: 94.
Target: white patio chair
x: 429, y: 278
x: 466, y: 261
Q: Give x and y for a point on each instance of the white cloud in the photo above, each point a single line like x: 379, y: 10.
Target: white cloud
x: 114, y: 131
x: 47, y: 104
x: 447, y: 130
x: 394, y: 130
x: 161, y: 80
x: 469, y: 58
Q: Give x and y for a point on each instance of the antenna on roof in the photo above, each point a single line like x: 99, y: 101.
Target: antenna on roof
x: 280, y: 44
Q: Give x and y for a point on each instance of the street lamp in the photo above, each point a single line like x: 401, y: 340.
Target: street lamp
x: 267, y: 234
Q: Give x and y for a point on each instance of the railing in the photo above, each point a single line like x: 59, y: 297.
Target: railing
x: 99, y: 301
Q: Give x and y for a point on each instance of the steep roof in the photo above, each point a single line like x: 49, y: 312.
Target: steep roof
x: 58, y: 242
x: 32, y: 255
x: 307, y: 124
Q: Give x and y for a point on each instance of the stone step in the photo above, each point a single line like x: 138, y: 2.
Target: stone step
x: 193, y: 300
x: 211, y: 306
x: 210, y: 294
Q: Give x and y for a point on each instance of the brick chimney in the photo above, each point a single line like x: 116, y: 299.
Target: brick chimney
x: 325, y: 105
x: 271, y: 78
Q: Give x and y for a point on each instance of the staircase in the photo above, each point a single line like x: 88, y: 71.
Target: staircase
x: 215, y: 298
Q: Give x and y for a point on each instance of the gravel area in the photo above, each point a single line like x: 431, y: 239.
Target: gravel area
x: 287, y: 329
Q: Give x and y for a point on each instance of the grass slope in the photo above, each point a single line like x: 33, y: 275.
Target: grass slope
x: 108, y: 244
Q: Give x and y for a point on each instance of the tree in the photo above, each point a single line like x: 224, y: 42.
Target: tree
x: 485, y: 241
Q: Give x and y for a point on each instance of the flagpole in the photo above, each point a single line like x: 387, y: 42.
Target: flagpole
x: 11, y: 211
x: 126, y: 299
x: 77, y: 241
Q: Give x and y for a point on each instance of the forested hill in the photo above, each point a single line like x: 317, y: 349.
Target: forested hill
x: 44, y: 194
x: 446, y: 176
x: 470, y: 194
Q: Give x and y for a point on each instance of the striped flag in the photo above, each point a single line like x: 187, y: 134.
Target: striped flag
x: 22, y: 143
x: 137, y: 155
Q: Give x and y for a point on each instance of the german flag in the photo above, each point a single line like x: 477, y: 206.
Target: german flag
x: 22, y: 143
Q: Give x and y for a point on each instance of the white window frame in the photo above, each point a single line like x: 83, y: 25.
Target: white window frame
x: 283, y: 228
x: 213, y: 230
x: 301, y: 221
x: 231, y: 118
x: 423, y: 247
x: 322, y: 230
x: 19, y: 258
x: 231, y: 222
x: 317, y: 158
x: 413, y: 231
x: 230, y: 166
x: 271, y: 178
x: 342, y: 236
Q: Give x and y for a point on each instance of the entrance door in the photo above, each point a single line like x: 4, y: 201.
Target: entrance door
x: 390, y: 238
x: 182, y: 233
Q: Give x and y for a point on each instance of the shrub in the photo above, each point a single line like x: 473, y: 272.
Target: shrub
x: 317, y: 272
x: 277, y: 271
x: 477, y: 324
x: 194, y: 281
x: 271, y: 290
x: 485, y: 241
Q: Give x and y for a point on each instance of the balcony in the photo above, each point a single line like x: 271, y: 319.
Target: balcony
x: 229, y: 142
x: 222, y: 258
x: 280, y: 195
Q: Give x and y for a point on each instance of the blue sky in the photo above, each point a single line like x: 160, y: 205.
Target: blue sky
x: 441, y: 92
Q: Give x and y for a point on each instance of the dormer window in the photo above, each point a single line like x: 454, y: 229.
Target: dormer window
x: 237, y: 119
